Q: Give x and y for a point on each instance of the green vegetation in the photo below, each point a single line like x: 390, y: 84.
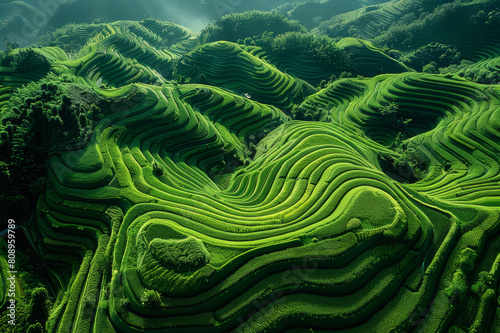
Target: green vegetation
x: 181, y: 255
x: 249, y: 24
x: 41, y: 120
x: 151, y: 298
x: 304, y: 55
x: 71, y: 37
x: 431, y: 57
x: 29, y: 61
x: 484, y: 282
x: 255, y: 177
x: 39, y: 307
x: 318, y: 48
x: 265, y: 83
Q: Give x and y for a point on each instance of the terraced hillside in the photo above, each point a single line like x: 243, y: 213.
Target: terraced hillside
x: 405, y: 24
x: 356, y: 55
x: 368, y: 22
x: 193, y: 202
x: 226, y: 64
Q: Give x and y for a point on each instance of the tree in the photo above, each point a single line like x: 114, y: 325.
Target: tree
x: 39, y: 306
x: 151, y: 298
x: 248, y: 24
x: 29, y: 61
x: 484, y: 282
x: 389, y: 109
x: 158, y: 169
x: 457, y: 287
x: 466, y: 259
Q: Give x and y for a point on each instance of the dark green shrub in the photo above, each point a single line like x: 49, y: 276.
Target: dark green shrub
x: 457, y: 287
x: 485, y: 281
x: 481, y: 75
x: 409, y: 167
x: 467, y: 259
x: 389, y: 109
x: 151, y: 298
x: 394, y: 120
x: 181, y: 255
x: 39, y: 306
x: 412, y: 159
x: 158, y: 169
x: 123, y: 304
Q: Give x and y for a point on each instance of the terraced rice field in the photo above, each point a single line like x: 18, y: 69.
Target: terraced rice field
x: 310, y: 233
x: 228, y: 65
x: 368, y: 22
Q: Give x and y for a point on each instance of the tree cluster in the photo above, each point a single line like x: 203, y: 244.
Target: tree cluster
x: 151, y: 298
x: 468, y: 70
x: 26, y: 61
x: 248, y: 24
x: 311, y: 113
x: 431, y: 57
x: 423, y: 21
x: 394, y: 120
x: 322, y: 49
x: 42, y: 120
